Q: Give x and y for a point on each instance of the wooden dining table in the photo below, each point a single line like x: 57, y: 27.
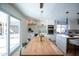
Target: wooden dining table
x: 41, y: 46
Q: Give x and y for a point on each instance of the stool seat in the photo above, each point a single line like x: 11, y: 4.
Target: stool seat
x: 74, y: 42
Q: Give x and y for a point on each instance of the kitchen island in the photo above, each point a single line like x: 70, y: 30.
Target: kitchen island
x: 62, y: 41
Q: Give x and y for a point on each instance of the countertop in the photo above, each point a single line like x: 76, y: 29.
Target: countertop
x: 67, y: 36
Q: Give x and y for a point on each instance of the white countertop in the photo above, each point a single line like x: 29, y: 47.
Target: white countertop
x: 63, y: 35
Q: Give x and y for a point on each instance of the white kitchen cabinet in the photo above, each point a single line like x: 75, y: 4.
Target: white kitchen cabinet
x: 61, y: 42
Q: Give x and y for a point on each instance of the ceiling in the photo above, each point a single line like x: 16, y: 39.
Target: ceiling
x: 51, y: 11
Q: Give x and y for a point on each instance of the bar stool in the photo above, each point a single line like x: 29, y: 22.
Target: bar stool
x: 75, y: 44
x: 29, y: 39
x: 24, y: 44
x: 35, y: 34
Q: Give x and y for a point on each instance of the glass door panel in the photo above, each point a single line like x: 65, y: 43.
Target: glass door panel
x: 14, y: 33
x: 3, y: 33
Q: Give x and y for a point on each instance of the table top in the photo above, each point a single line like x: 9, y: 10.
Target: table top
x: 75, y: 37
x: 38, y: 46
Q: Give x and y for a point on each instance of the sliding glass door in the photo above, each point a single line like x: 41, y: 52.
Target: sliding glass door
x: 14, y: 33
x: 3, y: 33
x: 9, y: 34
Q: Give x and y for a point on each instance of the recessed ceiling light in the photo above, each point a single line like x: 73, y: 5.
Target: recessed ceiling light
x: 41, y: 5
x: 41, y: 11
x: 78, y: 13
x: 67, y: 12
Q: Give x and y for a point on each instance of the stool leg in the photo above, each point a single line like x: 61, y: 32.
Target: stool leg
x: 75, y: 50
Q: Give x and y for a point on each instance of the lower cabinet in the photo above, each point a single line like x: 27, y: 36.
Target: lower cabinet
x: 61, y: 43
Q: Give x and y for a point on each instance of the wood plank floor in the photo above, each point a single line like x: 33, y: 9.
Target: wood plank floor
x: 38, y: 47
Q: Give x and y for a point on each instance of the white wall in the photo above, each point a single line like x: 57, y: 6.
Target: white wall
x: 37, y: 28
x: 24, y: 33
x: 73, y: 25
x: 11, y: 10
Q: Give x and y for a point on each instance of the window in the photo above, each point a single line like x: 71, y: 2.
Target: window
x: 9, y: 34
x: 61, y: 28
x: 58, y: 28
